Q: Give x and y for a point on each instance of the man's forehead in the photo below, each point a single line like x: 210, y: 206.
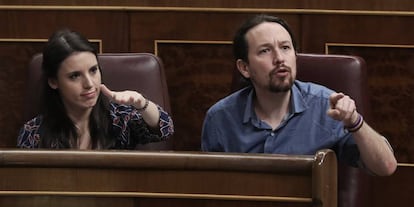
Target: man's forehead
x: 268, y: 32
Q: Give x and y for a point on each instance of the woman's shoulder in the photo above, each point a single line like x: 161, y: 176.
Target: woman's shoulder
x: 29, y: 134
x: 33, y: 124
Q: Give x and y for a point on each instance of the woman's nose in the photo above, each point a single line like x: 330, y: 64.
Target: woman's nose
x: 88, y: 82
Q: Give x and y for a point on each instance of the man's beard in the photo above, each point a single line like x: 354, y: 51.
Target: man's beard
x: 278, y: 85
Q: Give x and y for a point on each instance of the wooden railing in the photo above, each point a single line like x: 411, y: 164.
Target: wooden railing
x: 131, y: 178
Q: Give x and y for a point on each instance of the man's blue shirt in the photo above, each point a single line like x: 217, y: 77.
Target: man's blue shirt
x: 231, y: 125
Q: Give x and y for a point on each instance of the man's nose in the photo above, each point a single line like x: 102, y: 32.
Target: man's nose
x: 277, y: 56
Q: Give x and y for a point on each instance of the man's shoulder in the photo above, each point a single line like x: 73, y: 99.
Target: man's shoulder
x: 311, y: 89
x: 235, y: 100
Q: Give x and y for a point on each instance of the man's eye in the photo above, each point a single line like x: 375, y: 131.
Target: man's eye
x: 264, y: 50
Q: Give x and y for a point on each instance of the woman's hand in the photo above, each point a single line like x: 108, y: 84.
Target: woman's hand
x: 148, y: 109
x: 131, y: 98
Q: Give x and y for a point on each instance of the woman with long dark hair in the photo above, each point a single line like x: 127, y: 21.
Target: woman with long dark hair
x: 80, y: 112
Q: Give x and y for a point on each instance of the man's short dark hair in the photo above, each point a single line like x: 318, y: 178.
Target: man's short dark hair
x: 240, y: 46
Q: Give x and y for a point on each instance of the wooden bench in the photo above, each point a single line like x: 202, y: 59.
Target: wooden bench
x: 135, y: 178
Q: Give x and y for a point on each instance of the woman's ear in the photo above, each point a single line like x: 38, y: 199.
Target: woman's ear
x: 243, y: 68
x: 52, y: 83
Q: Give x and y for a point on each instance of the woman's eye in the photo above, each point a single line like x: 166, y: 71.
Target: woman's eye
x: 73, y: 76
x: 94, y: 70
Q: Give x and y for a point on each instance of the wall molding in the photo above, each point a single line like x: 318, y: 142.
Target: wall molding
x: 218, y: 42
x: 327, y: 45
x: 211, y: 10
x: 159, y: 195
x: 98, y: 41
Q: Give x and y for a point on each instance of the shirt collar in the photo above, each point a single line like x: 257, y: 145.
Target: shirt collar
x: 249, y: 110
x: 297, y: 103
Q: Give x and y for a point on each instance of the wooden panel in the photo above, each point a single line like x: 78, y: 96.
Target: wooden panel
x: 396, y: 190
x: 198, y: 74
x: 91, y: 175
x: 147, y: 27
x: 188, y: 26
x: 64, y: 201
x: 317, y: 30
x: 110, y: 26
x: 13, y: 74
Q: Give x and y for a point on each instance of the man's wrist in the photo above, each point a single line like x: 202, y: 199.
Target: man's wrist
x: 356, y: 125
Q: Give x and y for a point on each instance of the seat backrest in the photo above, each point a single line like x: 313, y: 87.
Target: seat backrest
x: 347, y: 74
x: 342, y: 73
x: 142, y: 72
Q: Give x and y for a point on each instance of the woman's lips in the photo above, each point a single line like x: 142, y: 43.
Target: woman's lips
x: 91, y: 94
